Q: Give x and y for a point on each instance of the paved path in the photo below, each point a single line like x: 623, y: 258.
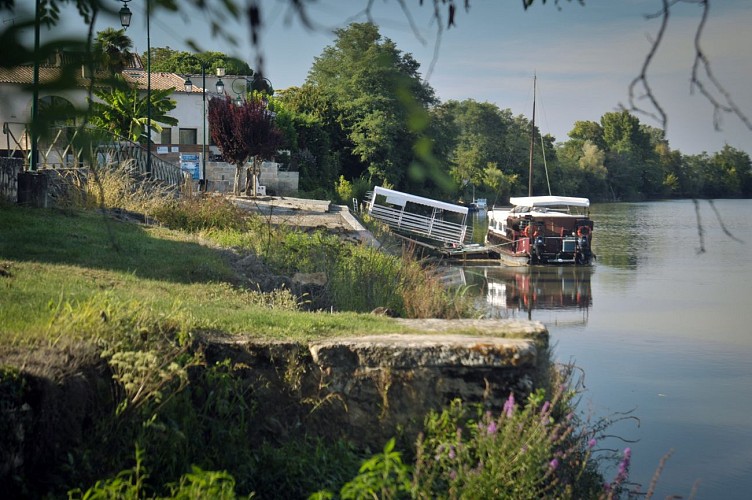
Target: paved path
x: 307, y: 214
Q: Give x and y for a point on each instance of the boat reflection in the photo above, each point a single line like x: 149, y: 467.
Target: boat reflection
x: 542, y: 293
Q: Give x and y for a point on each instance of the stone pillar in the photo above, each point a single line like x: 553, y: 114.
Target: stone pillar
x: 32, y: 189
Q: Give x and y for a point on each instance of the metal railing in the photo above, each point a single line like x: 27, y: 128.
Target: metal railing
x: 420, y: 225
x: 122, y: 151
x: 60, y: 151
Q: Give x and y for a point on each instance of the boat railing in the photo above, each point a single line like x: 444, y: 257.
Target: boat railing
x: 420, y: 225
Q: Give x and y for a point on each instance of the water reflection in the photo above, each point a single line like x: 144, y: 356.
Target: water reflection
x: 668, y: 333
x: 505, y: 292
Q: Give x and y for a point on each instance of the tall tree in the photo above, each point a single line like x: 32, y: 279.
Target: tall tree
x: 481, y: 133
x: 735, y: 170
x: 242, y: 132
x: 629, y: 154
x: 114, y: 50
x: 372, y: 85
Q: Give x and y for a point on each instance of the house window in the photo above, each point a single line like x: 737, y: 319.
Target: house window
x: 188, y: 136
x: 166, y: 137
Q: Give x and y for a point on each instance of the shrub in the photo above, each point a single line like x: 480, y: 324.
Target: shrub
x: 344, y: 190
x: 536, y: 450
x: 365, y: 279
x: 200, y: 213
x: 116, y: 187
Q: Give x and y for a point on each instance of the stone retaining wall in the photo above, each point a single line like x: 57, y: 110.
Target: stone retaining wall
x: 371, y: 388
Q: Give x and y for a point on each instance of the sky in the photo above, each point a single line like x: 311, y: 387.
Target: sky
x: 584, y: 57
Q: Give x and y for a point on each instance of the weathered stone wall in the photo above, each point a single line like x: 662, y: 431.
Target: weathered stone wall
x: 371, y: 388
x: 221, y: 176
x: 366, y: 389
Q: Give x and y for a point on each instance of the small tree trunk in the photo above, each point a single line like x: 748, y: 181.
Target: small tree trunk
x: 236, y: 186
x: 255, y: 176
x: 248, y: 181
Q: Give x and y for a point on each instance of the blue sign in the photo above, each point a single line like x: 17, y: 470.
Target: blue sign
x: 189, y: 163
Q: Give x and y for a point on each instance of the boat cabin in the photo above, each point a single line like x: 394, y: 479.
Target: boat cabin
x: 545, y: 228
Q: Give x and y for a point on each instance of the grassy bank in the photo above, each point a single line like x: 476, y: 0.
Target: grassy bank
x: 53, y: 260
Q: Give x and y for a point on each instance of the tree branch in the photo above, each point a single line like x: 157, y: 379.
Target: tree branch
x: 712, y: 90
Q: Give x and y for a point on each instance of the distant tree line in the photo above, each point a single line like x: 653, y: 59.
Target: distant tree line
x: 364, y: 113
x: 364, y: 117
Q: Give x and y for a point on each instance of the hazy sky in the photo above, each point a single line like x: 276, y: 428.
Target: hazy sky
x: 584, y: 57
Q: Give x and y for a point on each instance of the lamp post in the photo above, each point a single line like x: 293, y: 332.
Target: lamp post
x: 125, y: 21
x: 220, y: 89
x: 35, y: 91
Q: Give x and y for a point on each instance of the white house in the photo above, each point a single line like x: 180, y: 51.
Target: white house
x: 187, y: 142
x: 16, y: 102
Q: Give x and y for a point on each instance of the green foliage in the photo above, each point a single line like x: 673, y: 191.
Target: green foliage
x: 114, y: 48
x: 105, y: 318
x: 303, y: 465
x: 204, y: 484
x: 539, y: 450
x: 132, y: 484
x: 360, y: 187
x: 129, y: 484
x: 344, y: 189
x: 296, y: 251
x: 124, y: 112
x: 200, y: 214
x: 382, y: 476
x: 363, y: 77
x: 167, y: 60
x: 366, y: 279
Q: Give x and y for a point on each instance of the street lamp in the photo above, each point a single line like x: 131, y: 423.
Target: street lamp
x: 220, y: 89
x: 125, y: 14
x: 220, y: 84
x: 125, y: 21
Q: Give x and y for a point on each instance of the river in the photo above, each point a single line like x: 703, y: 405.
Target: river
x: 661, y: 326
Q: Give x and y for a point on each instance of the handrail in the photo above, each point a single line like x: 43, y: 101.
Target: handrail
x: 60, y: 152
x: 421, y: 225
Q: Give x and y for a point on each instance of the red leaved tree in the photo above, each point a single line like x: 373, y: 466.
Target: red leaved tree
x: 243, y: 132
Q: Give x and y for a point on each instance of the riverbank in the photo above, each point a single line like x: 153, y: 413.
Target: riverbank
x: 111, y: 322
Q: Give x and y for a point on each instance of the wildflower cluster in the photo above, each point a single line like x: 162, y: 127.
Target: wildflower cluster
x: 535, y: 450
x: 613, y: 489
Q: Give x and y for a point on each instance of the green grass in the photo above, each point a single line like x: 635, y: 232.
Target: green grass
x: 51, y: 260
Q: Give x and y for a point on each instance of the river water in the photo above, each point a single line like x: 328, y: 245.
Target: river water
x: 661, y: 326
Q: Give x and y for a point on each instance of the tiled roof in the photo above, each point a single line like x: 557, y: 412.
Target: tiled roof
x: 24, y: 75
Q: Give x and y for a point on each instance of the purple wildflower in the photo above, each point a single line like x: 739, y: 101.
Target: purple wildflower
x: 624, y: 466
x: 452, y: 474
x: 491, y: 429
x: 554, y: 464
x: 509, y: 405
x: 591, y: 443
x: 452, y: 453
x: 545, y: 408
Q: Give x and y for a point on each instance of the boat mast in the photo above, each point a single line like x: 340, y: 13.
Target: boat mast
x: 532, y: 143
